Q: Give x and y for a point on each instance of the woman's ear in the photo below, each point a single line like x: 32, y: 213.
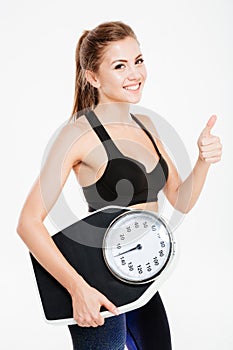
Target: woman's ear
x: 92, y: 78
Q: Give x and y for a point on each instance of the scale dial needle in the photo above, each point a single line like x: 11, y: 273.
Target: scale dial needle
x: 138, y: 246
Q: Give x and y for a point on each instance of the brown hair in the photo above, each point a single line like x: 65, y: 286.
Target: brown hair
x: 88, y: 55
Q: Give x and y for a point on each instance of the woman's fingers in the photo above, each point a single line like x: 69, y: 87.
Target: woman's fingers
x: 90, y: 321
x: 211, y: 152
x: 210, y: 147
x: 109, y: 305
x: 210, y: 140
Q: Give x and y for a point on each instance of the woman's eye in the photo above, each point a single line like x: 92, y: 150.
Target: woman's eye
x: 140, y: 61
x: 119, y: 66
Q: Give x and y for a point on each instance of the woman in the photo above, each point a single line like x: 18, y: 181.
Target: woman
x: 110, y: 75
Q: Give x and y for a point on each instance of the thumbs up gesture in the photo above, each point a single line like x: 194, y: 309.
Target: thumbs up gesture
x: 210, y: 148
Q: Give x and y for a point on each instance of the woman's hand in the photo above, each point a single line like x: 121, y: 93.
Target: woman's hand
x: 210, y: 148
x: 86, y: 302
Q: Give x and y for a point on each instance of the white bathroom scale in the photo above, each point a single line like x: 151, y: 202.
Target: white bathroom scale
x: 124, y: 253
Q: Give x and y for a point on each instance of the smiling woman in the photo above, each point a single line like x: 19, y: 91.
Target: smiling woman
x: 108, y: 54
x: 118, y: 160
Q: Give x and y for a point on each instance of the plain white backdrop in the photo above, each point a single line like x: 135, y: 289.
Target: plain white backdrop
x: 188, y: 50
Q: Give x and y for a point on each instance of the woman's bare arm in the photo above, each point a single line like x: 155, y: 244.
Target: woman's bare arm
x: 65, y: 153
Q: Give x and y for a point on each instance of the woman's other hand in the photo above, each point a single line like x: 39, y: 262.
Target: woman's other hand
x: 210, y: 147
x: 86, y: 302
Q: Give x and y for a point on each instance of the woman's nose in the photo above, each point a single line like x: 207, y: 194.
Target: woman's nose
x: 133, y: 73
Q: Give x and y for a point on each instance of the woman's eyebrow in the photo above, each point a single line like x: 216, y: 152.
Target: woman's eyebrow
x: 123, y: 60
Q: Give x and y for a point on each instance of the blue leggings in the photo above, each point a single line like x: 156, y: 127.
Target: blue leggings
x: 145, y: 328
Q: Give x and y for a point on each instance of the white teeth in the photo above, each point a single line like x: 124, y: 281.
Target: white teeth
x: 132, y: 87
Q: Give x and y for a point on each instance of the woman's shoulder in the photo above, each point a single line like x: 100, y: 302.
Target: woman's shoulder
x: 74, y: 128
x: 71, y: 137
x: 79, y: 122
x: 148, y: 122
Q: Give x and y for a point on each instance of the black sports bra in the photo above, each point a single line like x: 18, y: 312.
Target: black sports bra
x: 125, y: 181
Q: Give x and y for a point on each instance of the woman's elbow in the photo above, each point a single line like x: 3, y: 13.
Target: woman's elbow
x: 182, y: 206
x: 25, y: 225
x: 21, y: 226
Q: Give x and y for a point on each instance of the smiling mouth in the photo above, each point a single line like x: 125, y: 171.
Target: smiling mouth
x: 134, y: 87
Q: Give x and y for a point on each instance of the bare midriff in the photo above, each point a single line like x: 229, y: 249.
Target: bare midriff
x: 152, y: 206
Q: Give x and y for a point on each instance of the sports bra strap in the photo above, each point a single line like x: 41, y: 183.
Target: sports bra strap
x: 97, y: 126
x: 110, y: 147
x: 147, y: 132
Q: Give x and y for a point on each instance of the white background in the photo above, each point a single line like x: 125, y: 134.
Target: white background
x: 188, y: 49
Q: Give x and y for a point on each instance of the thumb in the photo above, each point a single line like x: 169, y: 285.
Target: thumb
x: 209, y: 125
x: 109, y: 305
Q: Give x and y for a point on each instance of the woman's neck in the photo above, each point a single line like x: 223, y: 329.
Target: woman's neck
x: 113, y: 113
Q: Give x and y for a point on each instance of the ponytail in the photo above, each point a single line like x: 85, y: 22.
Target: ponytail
x: 85, y: 94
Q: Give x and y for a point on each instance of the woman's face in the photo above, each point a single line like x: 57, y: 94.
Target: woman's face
x: 122, y: 73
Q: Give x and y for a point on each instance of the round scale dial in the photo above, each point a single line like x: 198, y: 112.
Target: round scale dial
x: 137, y: 246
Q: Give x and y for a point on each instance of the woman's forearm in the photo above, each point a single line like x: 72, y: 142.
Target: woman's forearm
x: 189, y: 190
x: 184, y: 195
x: 41, y: 245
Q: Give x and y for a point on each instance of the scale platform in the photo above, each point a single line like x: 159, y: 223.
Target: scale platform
x: 81, y: 245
